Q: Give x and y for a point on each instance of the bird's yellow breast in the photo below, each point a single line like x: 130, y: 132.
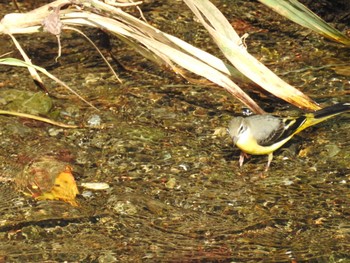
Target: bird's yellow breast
x: 248, y: 144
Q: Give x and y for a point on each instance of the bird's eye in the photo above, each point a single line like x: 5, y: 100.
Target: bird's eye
x: 241, y: 129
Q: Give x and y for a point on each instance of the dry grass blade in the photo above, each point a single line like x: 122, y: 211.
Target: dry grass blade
x: 210, y: 59
x: 38, y: 118
x: 235, y: 52
x: 19, y: 63
x: 145, y: 38
x: 169, y: 50
x: 300, y: 14
x: 27, y: 23
x: 31, y: 69
x: 164, y: 50
x: 97, y: 49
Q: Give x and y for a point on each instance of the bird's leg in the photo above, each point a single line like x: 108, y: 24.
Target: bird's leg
x: 241, y: 158
x: 269, y: 159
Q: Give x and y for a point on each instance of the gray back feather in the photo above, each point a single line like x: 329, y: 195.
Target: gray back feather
x: 265, y: 127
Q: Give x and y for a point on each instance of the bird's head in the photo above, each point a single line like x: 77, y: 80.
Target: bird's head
x: 236, y: 128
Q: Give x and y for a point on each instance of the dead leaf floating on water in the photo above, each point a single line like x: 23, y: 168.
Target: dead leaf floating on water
x: 48, y: 179
x: 64, y: 188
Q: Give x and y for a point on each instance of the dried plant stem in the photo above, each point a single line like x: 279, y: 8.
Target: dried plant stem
x: 38, y: 118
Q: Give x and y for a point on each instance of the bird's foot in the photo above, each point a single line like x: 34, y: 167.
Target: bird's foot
x: 241, y: 158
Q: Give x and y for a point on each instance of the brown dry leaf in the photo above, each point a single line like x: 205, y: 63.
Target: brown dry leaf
x: 46, y: 178
x: 64, y: 188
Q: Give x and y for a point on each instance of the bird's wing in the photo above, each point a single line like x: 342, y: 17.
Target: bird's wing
x: 269, y: 129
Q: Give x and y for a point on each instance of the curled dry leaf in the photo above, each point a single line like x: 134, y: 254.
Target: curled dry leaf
x: 46, y: 178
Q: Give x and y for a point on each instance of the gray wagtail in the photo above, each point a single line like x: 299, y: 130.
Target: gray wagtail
x: 264, y: 134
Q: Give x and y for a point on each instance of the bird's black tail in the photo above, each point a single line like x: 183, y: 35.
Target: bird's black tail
x: 332, y: 110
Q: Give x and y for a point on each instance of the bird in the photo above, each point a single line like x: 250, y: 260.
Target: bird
x: 264, y: 134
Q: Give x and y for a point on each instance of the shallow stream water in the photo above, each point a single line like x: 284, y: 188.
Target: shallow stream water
x: 176, y: 193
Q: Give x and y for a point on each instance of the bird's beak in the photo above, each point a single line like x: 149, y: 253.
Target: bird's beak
x: 234, y: 139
